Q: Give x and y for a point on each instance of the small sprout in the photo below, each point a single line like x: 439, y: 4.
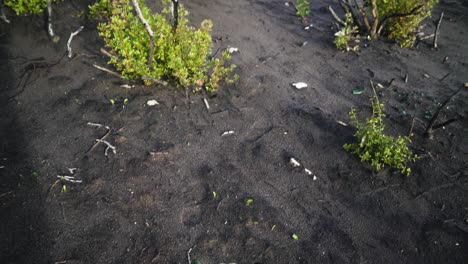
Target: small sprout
x: 256, y: 222
x: 295, y: 237
x: 64, y: 188
x: 273, y: 228
x: 215, y: 195
x: 125, y: 100
x: 196, y: 262
x: 112, y: 101
x: 249, y: 202
x: 35, y: 174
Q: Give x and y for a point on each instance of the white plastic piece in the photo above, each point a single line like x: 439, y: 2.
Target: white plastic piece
x: 300, y: 85
x: 231, y: 50
x: 294, y: 162
x: 230, y: 132
x: 152, y: 103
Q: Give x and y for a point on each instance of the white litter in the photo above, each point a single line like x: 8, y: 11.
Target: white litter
x: 227, y: 133
x: 309, y: 27
x: 314, y: 178
x: 294, y: 162
x: 126, y: 86
x: 231, y: 50
x: 152, y: 103
x: 341, y: 123
x: 300, y: 85
x: 206, y: 104
x: 380, y: 86
x: 308, y: 171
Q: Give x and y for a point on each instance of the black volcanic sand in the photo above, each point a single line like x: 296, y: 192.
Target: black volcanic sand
x: 153, y: 201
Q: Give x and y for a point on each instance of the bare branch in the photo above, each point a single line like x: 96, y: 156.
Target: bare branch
x: 337, y: 18
x: 395, y: 15
x: 108, y: 71
x: 148, y: 29
x: 54, y: 37
x: 436, y: 34
x: 70, y: 40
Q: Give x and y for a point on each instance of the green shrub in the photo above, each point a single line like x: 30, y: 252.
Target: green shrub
x: 377, y: 148
x: 26, y: 7
x: 347, y: 38
x: 403, y: 29
x: 181, y: 55
x: 303, y: 9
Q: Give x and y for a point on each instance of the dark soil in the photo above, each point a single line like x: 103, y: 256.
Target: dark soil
x: 153, y: 201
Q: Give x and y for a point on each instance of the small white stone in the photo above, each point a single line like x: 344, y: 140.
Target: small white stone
x: 300, y: 85
x: 152, y: 103
x: 314, y: 178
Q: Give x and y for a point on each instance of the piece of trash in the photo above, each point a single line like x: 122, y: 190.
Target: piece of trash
x: 152, y: 103
x: 426, y: 75
x: 231, y: 50
x: 309, y: 27
x: 249, y: 201
x: 309, y: 172
x: 294, y: 162
x: 126, y: 86
x: 341, y: 123
x: 295, y: 237
x: 300, y: 85
x: 314, y: 178
x: 380, y: 86
x: 358, y: 90
x: 304, y: 43
x: 228, y: 133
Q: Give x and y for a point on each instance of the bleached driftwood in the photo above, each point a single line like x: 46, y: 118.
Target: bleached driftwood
x: 73, y: 34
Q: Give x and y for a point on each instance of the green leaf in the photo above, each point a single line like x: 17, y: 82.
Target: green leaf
x: 215, y: 195
x: 249, y: 201
x: 295, y: 237
x: 35, y: 174
x: 112, y: 101
x: 359, y: 90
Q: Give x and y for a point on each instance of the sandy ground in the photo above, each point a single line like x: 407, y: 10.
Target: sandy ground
x: 154, y: 202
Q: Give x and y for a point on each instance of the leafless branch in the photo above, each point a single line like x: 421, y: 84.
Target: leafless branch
x: 148, y: 29
x: 436, y: 34
x: 73, y: 34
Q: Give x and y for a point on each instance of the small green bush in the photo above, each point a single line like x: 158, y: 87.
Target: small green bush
x: 181, y: 55
x: 303, y: 9
x: 403, y: 29
x: 347, y: 38
x: 26, y: 7
x: 377, y: 148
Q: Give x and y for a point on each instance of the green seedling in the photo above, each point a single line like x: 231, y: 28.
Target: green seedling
x: 215, y: 195
x: 303, y: 9
x: 64, y: 188
x: 112, y: 101
x: 295, y: 237
x: 249, y: 202
x: 34, y: 174
x: 273, y: 228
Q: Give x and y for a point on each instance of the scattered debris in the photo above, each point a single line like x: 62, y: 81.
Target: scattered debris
x: 230, y: 132
x: 426, y: 75
x: 69, y: 179
x: 102, y: 139
x: 309, y: 27
x: 300, y: 85
x: 445, y: 59
x: 108, y: 71
x: 380, y: 86
x: 73, y: 34
x: 152, y: 102
x: 309, y: 172
x: 231, y: 50
x: 304, y: 44
x: 98, y: 125
x: 72, y: 170
x: 294, y: 162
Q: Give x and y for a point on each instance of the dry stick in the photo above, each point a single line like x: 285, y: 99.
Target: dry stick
x: 375, y: 17
x: 148, y: 29
x: 335, y: 16
x: 395, y: 15
x: 2, y: 14
x: 108, y: 71
x: 430, y: 128
x: 73, y: 34
x: 54, y: 37
x: 436, y: 34
x: 105, y: 52
x: 426, y: 37
x: 175, y: 14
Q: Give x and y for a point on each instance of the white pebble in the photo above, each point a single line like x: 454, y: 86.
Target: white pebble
x: 152, y: 103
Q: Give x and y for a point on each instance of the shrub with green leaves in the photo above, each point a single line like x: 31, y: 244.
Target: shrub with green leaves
x: 404, y: 28
x: 26, y: 7
x: 376, y: 147
x: 347, y: 38
x: 303, y: 9
x: 181, y: 55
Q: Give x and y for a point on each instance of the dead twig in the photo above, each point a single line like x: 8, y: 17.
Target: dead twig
x: 436, y: 34
x: 335, y: 16
x: 73, y: 34
x: 431, y: 127
x: 105, y: 52
x: 148, y: 29
x: 108, y: 71
x: 50, y: 29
